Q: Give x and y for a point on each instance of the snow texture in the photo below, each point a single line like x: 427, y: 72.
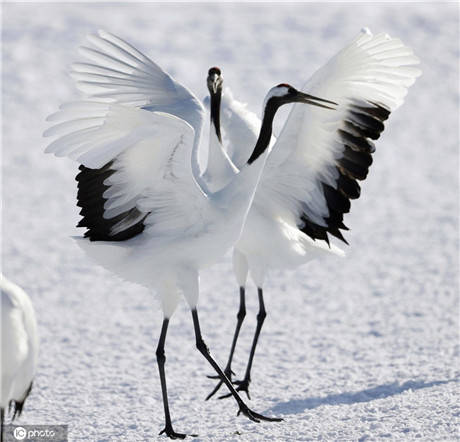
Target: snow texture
x: 364, y: 348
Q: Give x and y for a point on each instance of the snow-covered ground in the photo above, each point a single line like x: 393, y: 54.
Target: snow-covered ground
x: 365, y: 348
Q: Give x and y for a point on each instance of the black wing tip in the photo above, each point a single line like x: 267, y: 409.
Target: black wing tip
x: 378, y: 110
x: 90, y: 198
x: 337, y: 203
x: 363, y: 121
x: 356, y: 142
x: 338, y: 234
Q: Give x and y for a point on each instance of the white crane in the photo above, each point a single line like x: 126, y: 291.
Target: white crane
x: 310, y: 178
x: 150, y: 216
x: 19, y: 349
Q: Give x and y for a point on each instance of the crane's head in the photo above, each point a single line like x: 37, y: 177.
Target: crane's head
x: 284, y: 94
x: 214, y: 80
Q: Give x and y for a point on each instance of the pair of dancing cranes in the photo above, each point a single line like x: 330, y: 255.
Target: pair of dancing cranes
x: 153, y: 218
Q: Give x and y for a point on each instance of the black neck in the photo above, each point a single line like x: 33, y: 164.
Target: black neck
x: 215, y: 112
x: 265, y: 133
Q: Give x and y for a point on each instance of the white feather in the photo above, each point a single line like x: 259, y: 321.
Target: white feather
x: 19, y: 350
x: 372, y: 68
x: 143, y: 145
x: 307, y: 147
x: 152, y: 153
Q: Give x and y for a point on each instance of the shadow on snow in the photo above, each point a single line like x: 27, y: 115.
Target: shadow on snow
x: 380, y: 392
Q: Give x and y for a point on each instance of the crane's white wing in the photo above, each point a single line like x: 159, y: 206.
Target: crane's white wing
x: 135, y: 168
x: 311, y: 174
x: 118, y: 72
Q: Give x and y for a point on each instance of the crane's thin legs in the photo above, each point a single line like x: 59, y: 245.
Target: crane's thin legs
x: 2, y: 418
x: 244, y: 384
x: 228, y: 368
x: 202, y: 347
x: 161, y: 358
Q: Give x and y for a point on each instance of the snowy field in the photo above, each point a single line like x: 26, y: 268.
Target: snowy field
x: 364, y: 348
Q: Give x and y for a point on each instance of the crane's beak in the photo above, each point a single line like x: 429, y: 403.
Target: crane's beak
x: 213, y: 82
x: 310, y: 99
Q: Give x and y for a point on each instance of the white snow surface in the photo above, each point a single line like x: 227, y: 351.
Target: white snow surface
x: 363, y: 348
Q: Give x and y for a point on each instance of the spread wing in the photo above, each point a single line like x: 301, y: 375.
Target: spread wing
x: 118, y: 72
x: 319, y: 156
x: 135, y: 171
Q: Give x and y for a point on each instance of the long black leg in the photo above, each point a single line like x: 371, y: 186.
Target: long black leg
x: 202, y: 347
x: 161, y: 359
x: 243, y: 385
x: 2, y: 419
x: 228, y: 368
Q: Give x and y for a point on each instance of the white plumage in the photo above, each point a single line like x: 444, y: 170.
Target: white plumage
x: 151, y: 217
x: 19, y: 348
x: 311, y: 175
x: 152, y: 151
x: 372, y: 69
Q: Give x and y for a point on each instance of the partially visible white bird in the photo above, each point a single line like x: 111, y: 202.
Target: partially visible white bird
x: 150, y: 215
x: 312, y: 174
x: 19, y: 349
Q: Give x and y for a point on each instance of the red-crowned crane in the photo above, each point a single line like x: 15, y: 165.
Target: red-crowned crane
x: 317, y: 161
x: 150, y: 216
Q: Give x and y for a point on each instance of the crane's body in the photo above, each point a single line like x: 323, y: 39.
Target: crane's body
x: 150, y: 216
x: 167, y: 262
x: 19, y: 351
x: 287, y: 248
x: 317, y: 161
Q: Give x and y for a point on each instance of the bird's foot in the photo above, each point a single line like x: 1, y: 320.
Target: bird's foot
x: 241, y: 386
x: 171, y: 433
x: 228, y: 372
x: 256, y: 417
